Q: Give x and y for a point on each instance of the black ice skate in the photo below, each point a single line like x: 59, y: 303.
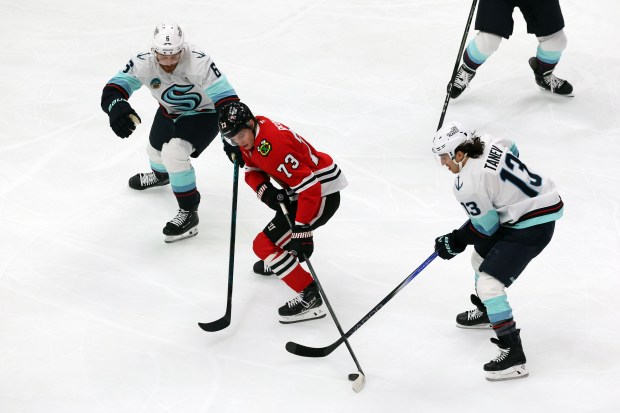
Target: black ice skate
x: 308, y: 305
x: 549, y: 82
x: 476, y: 318
x: 148, y: 180
x: 184, y: 225
x: 510, y: 362
x: 261, y: 268
x: 463, y: 77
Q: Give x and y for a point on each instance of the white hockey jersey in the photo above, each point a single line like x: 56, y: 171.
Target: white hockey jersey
x: 498, y: 189
x: 196, y: 84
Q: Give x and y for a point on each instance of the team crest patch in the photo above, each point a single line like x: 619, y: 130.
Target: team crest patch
x: 264, y: 148
x: 155, y: 83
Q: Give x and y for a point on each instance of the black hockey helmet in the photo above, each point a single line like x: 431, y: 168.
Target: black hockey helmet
x: 234, y: 116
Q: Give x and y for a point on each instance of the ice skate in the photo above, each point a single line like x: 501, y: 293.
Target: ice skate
x: 476, y: 318
x: 463, y: 77
x: 308, y: 305
x: 183, y: 225
x: 148, y: 180
x: 261, y: 268
x: 549, y: 82
x: 510, y: 362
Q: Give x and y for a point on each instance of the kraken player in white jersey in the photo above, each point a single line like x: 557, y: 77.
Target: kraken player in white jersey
x: 512, y: 212
x: 190, y: 89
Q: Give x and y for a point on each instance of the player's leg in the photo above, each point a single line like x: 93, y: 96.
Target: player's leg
x: 192, y: 134
x: 493, y: 21
x: 545, y: 20
x: 161, y: 131
x: 501, y: 266
x: 269, y: 247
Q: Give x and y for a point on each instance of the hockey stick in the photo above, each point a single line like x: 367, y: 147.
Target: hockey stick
x: 305, y: 351
x: 456, y: 65
x: 224, y: 322
x: 359, y: 379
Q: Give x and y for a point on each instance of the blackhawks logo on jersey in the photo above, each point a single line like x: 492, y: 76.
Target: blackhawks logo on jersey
x: 264, y: 147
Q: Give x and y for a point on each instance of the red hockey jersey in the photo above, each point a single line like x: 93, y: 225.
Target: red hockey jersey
x: 283, y: 155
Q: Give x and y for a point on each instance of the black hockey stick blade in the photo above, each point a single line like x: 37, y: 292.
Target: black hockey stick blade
x: 305, y: 351
x: 216, y: 325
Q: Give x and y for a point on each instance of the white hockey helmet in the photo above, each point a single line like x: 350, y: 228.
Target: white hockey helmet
x: 449, y: 137
x: 168, y: 39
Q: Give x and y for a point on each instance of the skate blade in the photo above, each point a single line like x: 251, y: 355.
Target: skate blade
x: 174, y: 238
x: 312, y: 314
x: 571, y: 95
x: 475, y: 327
x: 516, y: 372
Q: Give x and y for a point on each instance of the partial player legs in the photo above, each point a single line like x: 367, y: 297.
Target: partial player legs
x: 477, y: 52
x: 307, y: 305
x: 510, y: 362
x: 175, y: 158
x: 476, y: 318
x: 158, y: 176
x: 547, y: 57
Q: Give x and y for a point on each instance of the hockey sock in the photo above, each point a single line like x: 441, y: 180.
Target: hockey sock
x: 184, y: 188
x: 504, y: 327
x: 298, y: 279
x: 480, y: 48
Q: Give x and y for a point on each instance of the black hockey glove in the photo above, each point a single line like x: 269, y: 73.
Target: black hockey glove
x: 301, y: 243
x: 271, y: 196
x: 233, y: 150
x: 121, y: 122
x: 447, y: 246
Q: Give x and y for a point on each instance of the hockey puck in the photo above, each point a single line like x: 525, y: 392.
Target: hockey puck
x: 353, y: 376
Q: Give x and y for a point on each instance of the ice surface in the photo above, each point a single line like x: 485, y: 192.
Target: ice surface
x: 97, y: 314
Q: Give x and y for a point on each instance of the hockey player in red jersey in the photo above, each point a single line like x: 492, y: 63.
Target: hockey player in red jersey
x: 310, y: 184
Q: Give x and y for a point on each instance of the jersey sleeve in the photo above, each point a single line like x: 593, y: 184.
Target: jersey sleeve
x: 214, y: 83
x: 508, y: 143
x: 483, y: 218
x: 122, y: 85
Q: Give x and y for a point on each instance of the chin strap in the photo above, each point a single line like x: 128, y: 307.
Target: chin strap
x: 460, y: 164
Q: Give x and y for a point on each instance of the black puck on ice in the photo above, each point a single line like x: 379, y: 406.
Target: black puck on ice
x: 353, y: 376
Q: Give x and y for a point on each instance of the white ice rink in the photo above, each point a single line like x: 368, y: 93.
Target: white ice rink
x: 98, y: 315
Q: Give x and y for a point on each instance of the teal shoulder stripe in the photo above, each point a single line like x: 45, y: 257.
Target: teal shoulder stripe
x: 514, y: 150
x: 220, y: 89
x: 129, y: 83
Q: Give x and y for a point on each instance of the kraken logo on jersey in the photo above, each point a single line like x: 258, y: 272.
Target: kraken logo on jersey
x: 264, y: 148
x: 177, y: 96
x: 155, y: 83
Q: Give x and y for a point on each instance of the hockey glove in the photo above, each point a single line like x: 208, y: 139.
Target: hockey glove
x: 236, y: 151
x: 447, y: 246
x: 271, y: 196
x: 121, y: 122
x: 301, y: 243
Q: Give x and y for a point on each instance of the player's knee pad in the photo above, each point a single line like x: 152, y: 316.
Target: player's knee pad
x: 154, y: 154
x: 487, y: 43
x: 489, y: 287
x: 175, y: 155
x: 263, y: 247
x: 555, y: 42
